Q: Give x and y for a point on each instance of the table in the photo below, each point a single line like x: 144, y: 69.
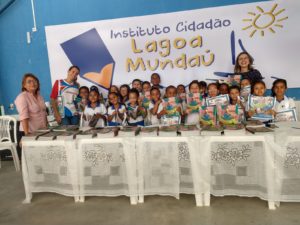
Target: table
x: 265, y: 166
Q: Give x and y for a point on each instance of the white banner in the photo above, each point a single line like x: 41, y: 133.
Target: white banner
x: 182, y: 46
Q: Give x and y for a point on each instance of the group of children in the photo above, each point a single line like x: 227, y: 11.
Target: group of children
x: 145, y: 103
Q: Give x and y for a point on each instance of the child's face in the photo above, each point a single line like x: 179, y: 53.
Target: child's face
x: 93, y: 97
x: 223, y: 89
x: 171, y: 92
x: 155, y: 95
x: 202, y: 90
x: 123, y: 91
x: 279, y: 89
x: 213, y: 91
x: 234, y: 94
x: 243, y: 61
x: 137, y: 85
x: 245, y: 83
x: 180, y: 89
x: 259, y: 89
x: 146, y: 87
x: 194, y: 88
x: 133, y: 98
x: 114, y: 89
x: 155, y: 80
x: 84, y: 93
x: 113, y: 99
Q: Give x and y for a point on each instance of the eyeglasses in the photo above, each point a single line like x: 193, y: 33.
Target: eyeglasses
x: 31, y: 81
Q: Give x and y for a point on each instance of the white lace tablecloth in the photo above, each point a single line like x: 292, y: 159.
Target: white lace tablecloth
x: 266, y: 166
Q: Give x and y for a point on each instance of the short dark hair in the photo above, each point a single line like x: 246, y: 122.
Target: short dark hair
x: 134, y: 91
x: 155, y: 74
x: 235, y: 87
x: 74, y: 66
x: 202, y: 84
x: 169, y: 87
x: 84, y: 87
x: 137, y: 80
x: 212, y: 84
x: 146, y: 82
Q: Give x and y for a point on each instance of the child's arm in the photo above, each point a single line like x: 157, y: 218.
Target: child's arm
x: 154, y: 110
x: 142, y: 111
x: 161, y: 113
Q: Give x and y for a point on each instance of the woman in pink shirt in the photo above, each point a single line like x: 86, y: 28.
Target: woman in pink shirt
x: 31, y: 106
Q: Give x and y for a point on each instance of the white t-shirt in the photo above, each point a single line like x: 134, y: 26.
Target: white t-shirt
x: 89, y: 112
x: 111, y: 109
x: 153, y: 118
x: 285, y: 104
x: 130, y: 119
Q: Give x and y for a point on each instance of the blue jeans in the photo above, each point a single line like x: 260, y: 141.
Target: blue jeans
x: 70, y: 120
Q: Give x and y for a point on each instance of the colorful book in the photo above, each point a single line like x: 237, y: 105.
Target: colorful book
x: 182, y: 97
x: 171, y: 105
x: 260, y: 105
x: 228, y: 114
x: 245, y: 92
x: 234, y: 80
x: 208, y: 115
x: 194, y: 101
x: 286, y: 115
x: 146, y: 99
x: 218, y: 100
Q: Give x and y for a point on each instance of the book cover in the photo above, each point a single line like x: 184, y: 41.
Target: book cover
x: 218, y: 100
x: 233, y: 80
x: 146, y: 98
x: 171, y: 105
x: 194, y: 101
x: 245, y: 92
x: 89, y: 52
x: 208, y: 115
x: 182, y: 97
x: 228, y: 114
x: 286, y: 115
x: 260, y: 105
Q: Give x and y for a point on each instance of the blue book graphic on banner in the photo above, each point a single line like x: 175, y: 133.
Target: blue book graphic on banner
x: 89, y: 53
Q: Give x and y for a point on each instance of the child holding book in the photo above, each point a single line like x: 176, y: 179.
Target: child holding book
x: 235, y: 99
x: 284, y: 106
x: 194, y: 101
x: 245, y: 88
x: 181, y: 93
x: 171, y: 112
x: 203, y: 87
x: 136, y: 113
x: 83, y: 98
x: 116, y: 112
x: 155, y: 106
x: 94, y: 114
x: 259, y: 89
x: 282, y: 101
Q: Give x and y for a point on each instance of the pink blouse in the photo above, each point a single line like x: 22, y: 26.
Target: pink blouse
x: 33, y: 109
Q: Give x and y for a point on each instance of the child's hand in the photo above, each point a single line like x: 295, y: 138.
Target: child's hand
x: 114, y: 113
x: 251, y: 113
x: 188, y: 111
x: 270, y: 112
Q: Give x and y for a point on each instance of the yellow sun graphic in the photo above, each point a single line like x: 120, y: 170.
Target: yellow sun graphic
x: 264, y: 21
